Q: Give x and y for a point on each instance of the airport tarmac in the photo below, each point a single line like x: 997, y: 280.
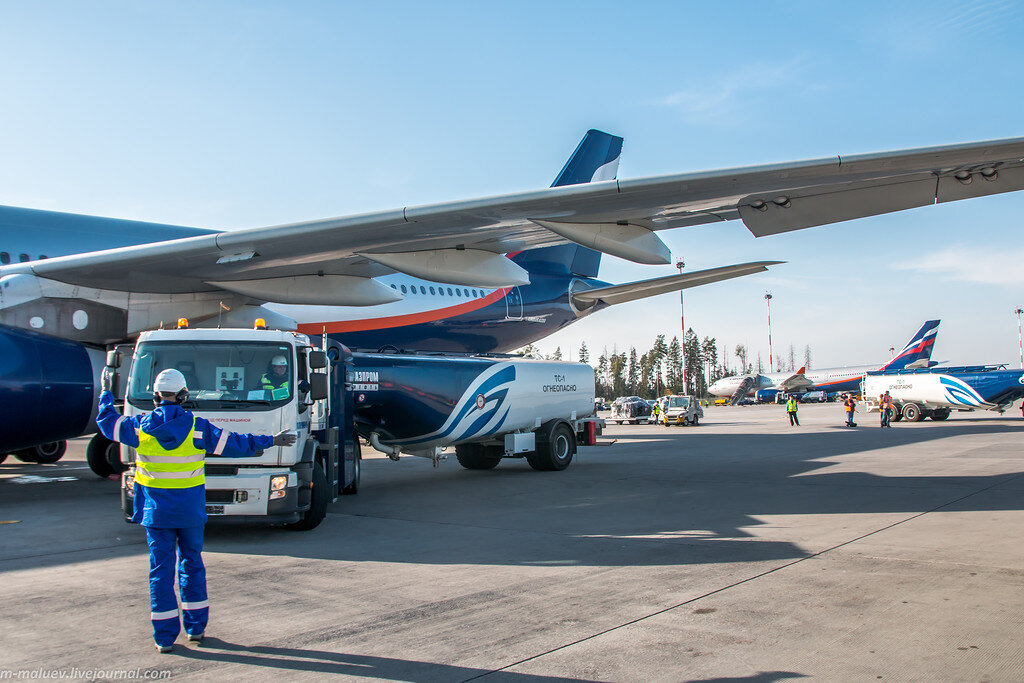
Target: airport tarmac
x: 739, y: 550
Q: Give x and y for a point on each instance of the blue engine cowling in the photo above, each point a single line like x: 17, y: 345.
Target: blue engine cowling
x: 48, y: 388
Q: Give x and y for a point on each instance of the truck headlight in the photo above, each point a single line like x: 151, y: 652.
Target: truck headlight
x: 278, y: 483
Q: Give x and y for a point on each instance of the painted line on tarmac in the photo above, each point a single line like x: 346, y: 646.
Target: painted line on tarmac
x: 743, y: 581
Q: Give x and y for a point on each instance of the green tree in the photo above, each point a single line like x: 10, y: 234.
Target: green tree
x: 584, y: 353
x: 674, y: 369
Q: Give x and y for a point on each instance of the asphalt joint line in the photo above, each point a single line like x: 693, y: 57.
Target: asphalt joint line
x: 749, y: 579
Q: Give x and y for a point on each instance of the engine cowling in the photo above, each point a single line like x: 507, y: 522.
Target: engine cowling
x: 48, y: 388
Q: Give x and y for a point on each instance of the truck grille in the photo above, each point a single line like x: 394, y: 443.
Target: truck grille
x: 220, y: 496
x: 221, y: 470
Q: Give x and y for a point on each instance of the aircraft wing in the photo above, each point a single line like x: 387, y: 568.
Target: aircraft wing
x: 334, y: 260
x: 631, y: 291
x: 795, y: 381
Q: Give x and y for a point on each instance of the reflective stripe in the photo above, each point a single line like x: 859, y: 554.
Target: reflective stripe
x: 221, y: 443
x: 195, y: 605
x: 117, y: 428
x: 169, y: 614
x: 175, y: 475
x: 170, y: 458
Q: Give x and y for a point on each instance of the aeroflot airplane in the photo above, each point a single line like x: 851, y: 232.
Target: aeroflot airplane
x: 491, y: 273
x: 917, y: 353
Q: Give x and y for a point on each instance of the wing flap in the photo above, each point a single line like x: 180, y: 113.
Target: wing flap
x: 631, y: 291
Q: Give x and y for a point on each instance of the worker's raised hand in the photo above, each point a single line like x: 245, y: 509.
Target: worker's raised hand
x: 107, y: 379
x: 284, y: 438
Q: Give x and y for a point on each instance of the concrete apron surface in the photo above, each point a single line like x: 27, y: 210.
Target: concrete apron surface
x: 741, y: 549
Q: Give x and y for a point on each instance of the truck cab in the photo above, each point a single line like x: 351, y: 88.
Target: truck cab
x: 256, y: 381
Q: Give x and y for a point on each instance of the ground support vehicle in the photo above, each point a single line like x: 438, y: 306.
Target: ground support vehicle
x: 486, y: 408
x: 630, y: 409
x: 935, y: 392
x: 680, y: 410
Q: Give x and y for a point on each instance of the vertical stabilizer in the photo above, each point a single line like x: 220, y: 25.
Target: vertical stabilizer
x: 919, y: 348
x: 596, y: 158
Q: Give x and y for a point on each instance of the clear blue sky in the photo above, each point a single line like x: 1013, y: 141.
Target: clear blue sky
x: 239, y: 114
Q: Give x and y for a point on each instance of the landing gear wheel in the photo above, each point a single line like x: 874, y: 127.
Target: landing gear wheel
x: 940, y: 414
x: 45, y: 453
x: 353, y: 488
x: 96, y: 456
x: 912, y: 412
x: 318, y: 503
x: 474, y: 456
x: 556, y: 444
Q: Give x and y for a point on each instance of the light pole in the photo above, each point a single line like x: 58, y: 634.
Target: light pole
x: 1020, y: 340
x: 680, y: 264
x: 768, y: 299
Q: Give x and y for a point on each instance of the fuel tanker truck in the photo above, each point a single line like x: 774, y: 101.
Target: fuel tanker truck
x: 264, y: 381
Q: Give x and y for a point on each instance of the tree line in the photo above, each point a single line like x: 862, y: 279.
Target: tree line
x: 660, y: 369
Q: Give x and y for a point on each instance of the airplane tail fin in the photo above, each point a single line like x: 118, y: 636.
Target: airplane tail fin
x: 918, y: 349
x: 596, y: 158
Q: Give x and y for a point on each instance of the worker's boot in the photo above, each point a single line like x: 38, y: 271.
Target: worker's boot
x: 196, y: 637
x: 163, y: 649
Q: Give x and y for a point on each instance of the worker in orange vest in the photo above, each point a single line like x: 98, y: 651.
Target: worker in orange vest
x: 850, y: 404
x: 886, y: 408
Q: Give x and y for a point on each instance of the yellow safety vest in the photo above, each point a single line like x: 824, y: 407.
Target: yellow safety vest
x: 268, y: 382
x: 177, y: 468
x: 791, y: 405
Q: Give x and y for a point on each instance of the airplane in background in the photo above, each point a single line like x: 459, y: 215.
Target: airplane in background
x: 917, y: 353
x: 58, y: 314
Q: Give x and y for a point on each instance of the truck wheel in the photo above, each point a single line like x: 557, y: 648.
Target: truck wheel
x: 317, y: 505
x: 353, y: 488
x: 45, y: 453
x: 940, y: 414
x: 104, y: 456
x: 912, y: 412
x: 896, y: 414
x: 556, y: 445
x: 96, y: 456
x: 474, y: 456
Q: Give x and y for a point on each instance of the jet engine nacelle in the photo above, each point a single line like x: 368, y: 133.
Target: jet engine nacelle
x: 48, y: 388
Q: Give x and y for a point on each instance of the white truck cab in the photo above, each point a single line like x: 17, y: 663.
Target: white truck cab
x: 254, y: 381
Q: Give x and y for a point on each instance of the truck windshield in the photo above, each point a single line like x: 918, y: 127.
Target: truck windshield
x: 679, y: 402
x: 219, y: 375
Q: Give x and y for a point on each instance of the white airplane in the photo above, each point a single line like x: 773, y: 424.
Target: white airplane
x: 56, y: 314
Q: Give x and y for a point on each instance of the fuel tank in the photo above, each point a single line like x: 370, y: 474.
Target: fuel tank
x: 418, y: 401
x: 48, y: 388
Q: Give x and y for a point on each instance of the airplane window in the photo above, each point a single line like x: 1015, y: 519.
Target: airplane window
x: 23, y: 258
x: 465, y: 292
x: 403, y: 289
x: 42, y: 256
x: 393, y: 287
x: 450, y: 292
x: 5, y: 258
x: 431, y: 290
x: 423, y: 290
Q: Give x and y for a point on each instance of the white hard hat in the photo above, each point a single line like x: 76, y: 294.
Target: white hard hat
x: 169, y: 382
x: 279, y: 360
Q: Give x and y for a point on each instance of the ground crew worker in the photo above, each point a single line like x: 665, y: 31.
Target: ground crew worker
x: 656, y: 410
x: 277, y: 377
x: 791, y: 409
x: 170, y: 495
x: 850, y: 405
x: 885, y: 405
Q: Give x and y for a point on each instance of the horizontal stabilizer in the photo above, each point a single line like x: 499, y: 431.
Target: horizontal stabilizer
x: 631, y: 291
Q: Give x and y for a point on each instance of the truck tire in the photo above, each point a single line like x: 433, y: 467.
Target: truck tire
x: 897, y: 414
x: 556, y: 445
x: 353, y: 488
x: 96, y: 456
x: 912, y: 412
x: 317, y: 505
x: 45, y: 453
x: 940, y: 414
x: 474, y: 456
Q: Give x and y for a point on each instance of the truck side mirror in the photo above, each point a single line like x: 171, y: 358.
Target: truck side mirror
x: 317, y: 386
x: 317, y: 360
x: 113, y: 359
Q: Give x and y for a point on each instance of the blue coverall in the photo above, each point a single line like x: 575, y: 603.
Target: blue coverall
x: 174, y: 517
